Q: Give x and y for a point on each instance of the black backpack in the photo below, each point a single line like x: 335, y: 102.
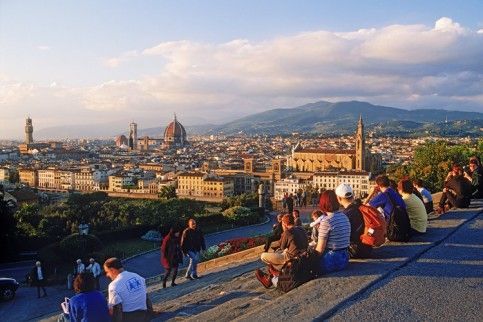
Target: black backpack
x: 399, y: 225
x: 298, y: 271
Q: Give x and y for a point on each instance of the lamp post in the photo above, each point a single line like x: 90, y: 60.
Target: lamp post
x: 261, y: 196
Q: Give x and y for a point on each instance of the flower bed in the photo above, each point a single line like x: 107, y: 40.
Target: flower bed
x: 232, y: 246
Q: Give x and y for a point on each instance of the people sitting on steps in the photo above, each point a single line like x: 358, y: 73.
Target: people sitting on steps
x: 427, y: 197
x: 346, y: 198
x: 316, y: 216
x: 379, y: 198
x: 474, y: 174
x: 296, y: 217
x: 334, y: 235
x: 277, y: 231
x: 456, y: 191
x: 417, y: 214
x: 292, y: 243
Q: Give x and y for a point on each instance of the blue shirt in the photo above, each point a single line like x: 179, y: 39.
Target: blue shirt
x: 89, y: 307
x: 427, y: 197
x: 381, y: 200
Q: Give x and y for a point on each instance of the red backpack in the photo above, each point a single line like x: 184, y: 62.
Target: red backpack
x: 374, y: 226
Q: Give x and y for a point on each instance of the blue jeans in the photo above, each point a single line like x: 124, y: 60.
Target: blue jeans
x: 334, y: 260
x: 194, y: 260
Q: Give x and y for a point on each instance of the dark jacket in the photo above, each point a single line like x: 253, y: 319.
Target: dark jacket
x: 356, y: 249
x: 192, y: 240
x: 477, y: 183
x: 171, y: 252
x: 277, y: 231
x: 460, y: 186
x: 294, y: 240
x: 35, y: 277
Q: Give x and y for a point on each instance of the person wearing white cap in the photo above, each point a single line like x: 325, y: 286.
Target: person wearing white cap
x: 345, y: 196
x: 39, y: 278
x: 95, y: 269
x: 80, y: 267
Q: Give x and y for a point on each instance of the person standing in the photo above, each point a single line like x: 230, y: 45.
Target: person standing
x: 290, y: 203
x: 79, y: 267
x: 171, y: 255
x: 192, y: 242
x: 95, y: 269
x: 127, y: 297
x: 39, y: 278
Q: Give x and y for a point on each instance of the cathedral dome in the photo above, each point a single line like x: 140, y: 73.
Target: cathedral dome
x: 175, y: 134
x: 120, y: 140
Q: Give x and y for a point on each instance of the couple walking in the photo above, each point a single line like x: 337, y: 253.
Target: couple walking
x: 174, y: 247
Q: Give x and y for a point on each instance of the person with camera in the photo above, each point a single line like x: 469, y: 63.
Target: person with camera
x: 474, y: 174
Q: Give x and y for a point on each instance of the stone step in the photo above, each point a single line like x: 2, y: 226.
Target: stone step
x: 233, y: 293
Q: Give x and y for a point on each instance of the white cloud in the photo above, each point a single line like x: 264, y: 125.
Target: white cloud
x: 397, y: 65
x: 43, y: 47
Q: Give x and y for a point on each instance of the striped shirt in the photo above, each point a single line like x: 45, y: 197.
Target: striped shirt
x: 335, y: 228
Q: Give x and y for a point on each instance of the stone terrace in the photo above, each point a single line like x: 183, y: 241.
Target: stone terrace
x: 231, y: 292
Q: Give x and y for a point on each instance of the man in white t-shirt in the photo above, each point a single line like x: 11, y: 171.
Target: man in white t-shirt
x: 127, y: 293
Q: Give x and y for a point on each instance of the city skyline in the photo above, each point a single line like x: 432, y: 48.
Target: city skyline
x: 63, y: 65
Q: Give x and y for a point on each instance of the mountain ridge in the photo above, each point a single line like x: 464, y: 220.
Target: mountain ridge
x: 317, y: 117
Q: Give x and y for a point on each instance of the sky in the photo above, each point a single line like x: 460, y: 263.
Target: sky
x: 106, y: 63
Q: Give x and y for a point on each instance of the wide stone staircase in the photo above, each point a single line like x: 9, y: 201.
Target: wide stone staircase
x: 230, y: 291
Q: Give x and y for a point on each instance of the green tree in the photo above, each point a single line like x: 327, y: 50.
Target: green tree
x: 167, y: 192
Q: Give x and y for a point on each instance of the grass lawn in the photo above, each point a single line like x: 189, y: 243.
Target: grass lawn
x: 129, y: 247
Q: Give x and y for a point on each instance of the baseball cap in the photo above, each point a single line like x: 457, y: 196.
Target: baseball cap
x: 344, y: 191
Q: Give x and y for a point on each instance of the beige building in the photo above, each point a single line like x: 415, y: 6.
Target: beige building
x: 202, y: 186
x: 290, y: 186
x: 358, y: 180
x: 118, y: 183
x: 29, y: 177
x: 314, y: 160
x: 4, y: 174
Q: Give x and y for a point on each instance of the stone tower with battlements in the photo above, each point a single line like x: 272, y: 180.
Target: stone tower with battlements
x: 360, y: 146
x: 29, y: 130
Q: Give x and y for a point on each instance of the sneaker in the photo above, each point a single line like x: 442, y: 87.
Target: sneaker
x: 273, y: 271
x: 174, y: 284
x: 196, y: 277
x: 189, y: 277
x: 263, y: 278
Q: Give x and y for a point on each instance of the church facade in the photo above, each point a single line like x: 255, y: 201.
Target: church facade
x: 315, y: 160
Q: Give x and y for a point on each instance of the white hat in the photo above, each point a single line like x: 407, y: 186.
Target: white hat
x: 79, y: 261
x: 344, y: 191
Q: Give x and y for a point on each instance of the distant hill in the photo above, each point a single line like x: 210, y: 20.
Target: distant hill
x: 320, y: 117
x: 337, y: 118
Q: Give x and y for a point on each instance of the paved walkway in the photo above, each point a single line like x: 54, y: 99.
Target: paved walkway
x: 232, y: 293
x: 26, y: 306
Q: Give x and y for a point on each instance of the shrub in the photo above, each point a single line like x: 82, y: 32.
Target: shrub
x: 79, y: 246
x: 50, y: 254
x: 241, y: 215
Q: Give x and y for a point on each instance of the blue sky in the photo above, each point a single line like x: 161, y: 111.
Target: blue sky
x: 107, y: 62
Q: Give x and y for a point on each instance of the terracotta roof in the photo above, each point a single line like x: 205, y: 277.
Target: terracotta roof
x: 327, y: 151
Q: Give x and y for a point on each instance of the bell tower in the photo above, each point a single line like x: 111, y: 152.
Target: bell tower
x: 360, y: 146
x: 29, y: 130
